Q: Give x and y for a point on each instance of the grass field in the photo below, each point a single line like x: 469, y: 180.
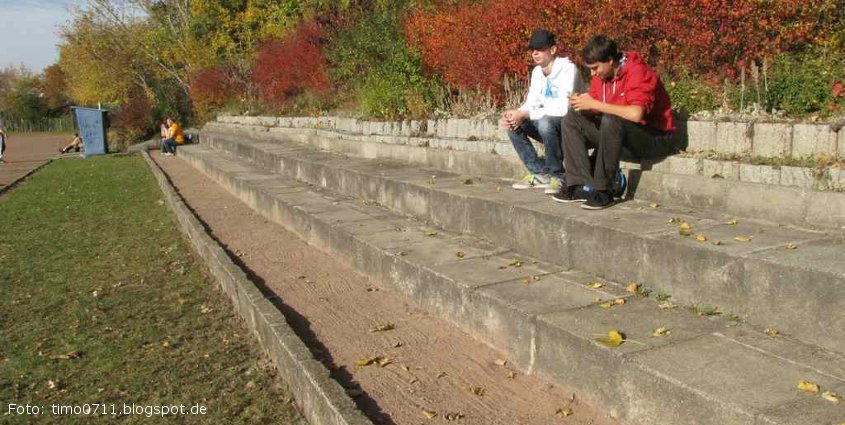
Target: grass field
x: 103, y: 302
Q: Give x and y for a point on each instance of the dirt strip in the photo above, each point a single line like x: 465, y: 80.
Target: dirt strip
x: 434, y: 366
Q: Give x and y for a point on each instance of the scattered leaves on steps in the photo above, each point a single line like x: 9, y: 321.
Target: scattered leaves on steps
x: 614, y: 338
x: 832, y: 397
x: 595, y: 285
x: 383, y: 328
x: 609, y: 304
x: 808, y: 386
x: 661, y: 331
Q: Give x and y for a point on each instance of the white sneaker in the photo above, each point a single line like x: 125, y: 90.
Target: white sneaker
x: 554, y: 186
x: 531, y: 181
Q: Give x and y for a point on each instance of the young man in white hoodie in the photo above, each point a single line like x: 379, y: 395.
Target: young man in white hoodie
x: 552, y: 81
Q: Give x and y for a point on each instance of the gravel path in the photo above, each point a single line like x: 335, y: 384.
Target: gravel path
x: 26, y: 151
x: 434, y: 367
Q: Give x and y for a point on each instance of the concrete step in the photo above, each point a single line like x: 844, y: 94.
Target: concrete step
x: 796, y: 290
x: 706, y: 371
x: 804, y: 197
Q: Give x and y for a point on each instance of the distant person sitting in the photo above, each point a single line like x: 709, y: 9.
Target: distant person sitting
x: 3, y: 139
x: 552, y: 81
x: 75, y: 144
x: 171, y: 136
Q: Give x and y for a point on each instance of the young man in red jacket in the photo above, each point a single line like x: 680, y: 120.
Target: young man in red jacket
x: 627, y: 106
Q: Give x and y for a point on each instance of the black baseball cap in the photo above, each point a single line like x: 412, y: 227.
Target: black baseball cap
x: 541, y: 39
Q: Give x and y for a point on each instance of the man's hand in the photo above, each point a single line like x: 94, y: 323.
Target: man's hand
x: 512, y: 119
x: 583, y: 102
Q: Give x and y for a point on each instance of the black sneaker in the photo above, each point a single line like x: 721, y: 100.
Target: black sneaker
x: 599, y: 199
x: 570, y: 194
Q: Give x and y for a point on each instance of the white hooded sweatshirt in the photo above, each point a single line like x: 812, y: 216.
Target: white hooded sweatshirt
x: 549, y: 95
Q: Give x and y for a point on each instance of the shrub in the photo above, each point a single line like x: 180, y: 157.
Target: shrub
x: 806, y: 83
x: 133, y: 121
x: 369, y: 56
x: 214, y: 87
x: 475, y: 44
x: 690, y: 94
x: 291, y: 66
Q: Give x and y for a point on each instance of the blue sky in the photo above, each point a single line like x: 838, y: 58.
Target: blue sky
x: 30, y: 31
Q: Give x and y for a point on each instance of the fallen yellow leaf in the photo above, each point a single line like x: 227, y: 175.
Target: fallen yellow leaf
x: 633, y: 288
x: 453, y: 416
x: 431, y: 233
x: 384, y: 361
x: 479, y: 391
x: 661, y: 331
x: 654, y: 205
x: 685, y: 226
x: 614, y: 338
x: 666, y: 305
x: 743, y: 238
x: 68, y: 356
x: 771, y: 331
x: 563, y: 412
x: 498, y: 188
x: 808, y: 386
x: 701, y: 237
x: 383, y: 328
x: 791, y: 246
x: 609, y: 304
x: 525, y: 281
x: 430, y: 414
x: 366, y: 361
x: 832, y: 397
x: 731, y: 222
x: 515, y: 263
x: 536, y: 278
x: 595, y: 285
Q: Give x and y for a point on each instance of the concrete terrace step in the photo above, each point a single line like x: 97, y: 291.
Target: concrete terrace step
x: 804, y: 197
x: 798, y: 290
x: 706, y: 371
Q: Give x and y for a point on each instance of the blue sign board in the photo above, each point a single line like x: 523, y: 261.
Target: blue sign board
x: 92, y: 128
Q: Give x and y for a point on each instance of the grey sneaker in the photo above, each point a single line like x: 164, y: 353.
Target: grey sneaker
x: 532, y: 181
x: 555, y: 184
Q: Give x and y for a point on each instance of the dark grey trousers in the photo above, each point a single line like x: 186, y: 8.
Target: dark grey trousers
x: 607, y: 134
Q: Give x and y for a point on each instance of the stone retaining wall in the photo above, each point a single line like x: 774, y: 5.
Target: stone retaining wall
x: 733, y: 138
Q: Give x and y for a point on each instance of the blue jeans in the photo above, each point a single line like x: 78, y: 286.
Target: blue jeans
x: 168, y: 146
x: 546, y: 130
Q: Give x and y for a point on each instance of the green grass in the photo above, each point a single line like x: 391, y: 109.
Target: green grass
x: 91, y: 262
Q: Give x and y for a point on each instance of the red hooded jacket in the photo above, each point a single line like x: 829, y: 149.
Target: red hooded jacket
x: 636, y: 83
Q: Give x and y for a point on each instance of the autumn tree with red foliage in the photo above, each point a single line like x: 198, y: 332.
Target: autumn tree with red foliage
x: 292, y: 65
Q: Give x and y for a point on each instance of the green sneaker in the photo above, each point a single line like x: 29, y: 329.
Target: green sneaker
x: 554, y: 186
x: 532, y: 181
